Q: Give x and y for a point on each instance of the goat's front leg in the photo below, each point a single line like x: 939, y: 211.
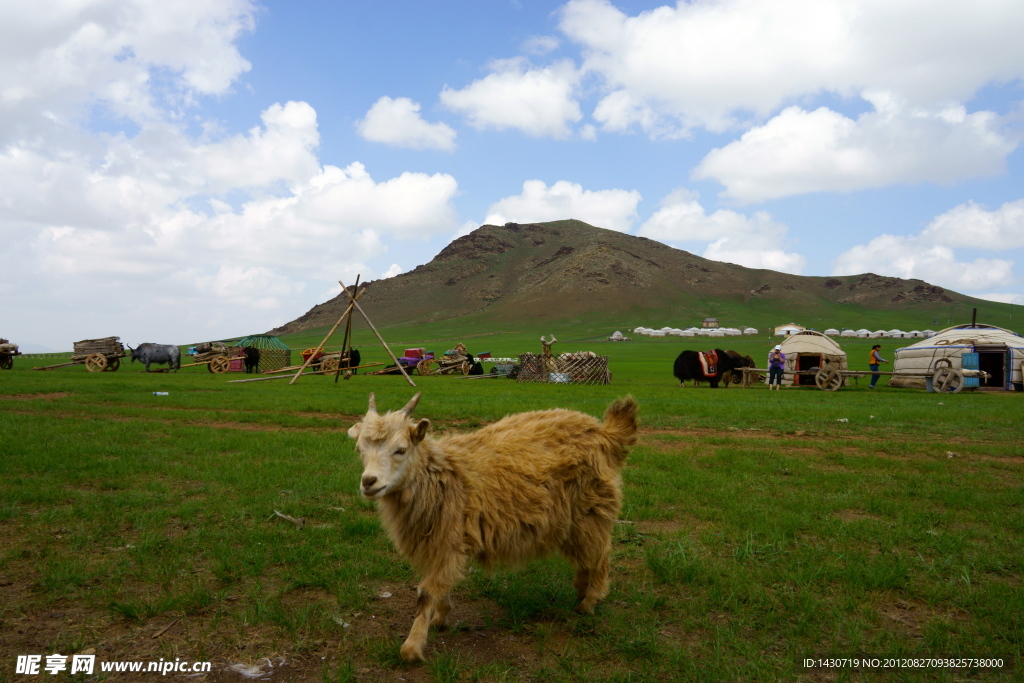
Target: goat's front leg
x: 432, y: 604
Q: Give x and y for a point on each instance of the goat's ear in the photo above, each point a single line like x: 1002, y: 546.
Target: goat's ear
x: 418, y: 432
x: 353, y: 431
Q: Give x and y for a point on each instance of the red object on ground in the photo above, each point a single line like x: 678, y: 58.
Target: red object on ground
x: 414, y: 353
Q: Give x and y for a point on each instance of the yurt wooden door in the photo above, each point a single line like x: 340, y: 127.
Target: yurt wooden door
x: 969, y: 361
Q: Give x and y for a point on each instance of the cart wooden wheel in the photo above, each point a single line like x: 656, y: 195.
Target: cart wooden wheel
x: 113, y: 365
x: 219, y: 365
x: 423, y: 367
x: 942, y: 363
x: 330, y: 364
x: 6, y: 362
x: 466, y: 367
x: 828, y: 379
x: 948, y: 380
x: 96, y: 362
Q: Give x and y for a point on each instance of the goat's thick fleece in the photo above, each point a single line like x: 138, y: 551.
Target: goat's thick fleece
x: 527, y: 486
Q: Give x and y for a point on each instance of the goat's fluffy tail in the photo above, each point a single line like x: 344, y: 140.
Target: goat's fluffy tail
x: 620, y: 424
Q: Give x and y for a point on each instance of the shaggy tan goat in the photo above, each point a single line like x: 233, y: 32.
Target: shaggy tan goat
x: 527, y: 486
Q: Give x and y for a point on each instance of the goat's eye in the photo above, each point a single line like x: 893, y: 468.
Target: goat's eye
x: 399, y: 451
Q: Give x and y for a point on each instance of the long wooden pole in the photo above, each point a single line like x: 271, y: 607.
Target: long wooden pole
x: 345, y: 341
x: 348, y: 312
x: 379, y: 338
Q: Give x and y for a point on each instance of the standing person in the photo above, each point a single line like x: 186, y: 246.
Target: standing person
x: 874, y: 359
x: 776, y: 363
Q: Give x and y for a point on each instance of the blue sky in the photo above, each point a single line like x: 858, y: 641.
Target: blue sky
x: 174, y: 172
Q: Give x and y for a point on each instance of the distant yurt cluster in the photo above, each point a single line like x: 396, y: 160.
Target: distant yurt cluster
x: 695, y: 331
x: 879, y: 334
x: 810, y: 350
x: 274, y: 355
x: 994, y: 350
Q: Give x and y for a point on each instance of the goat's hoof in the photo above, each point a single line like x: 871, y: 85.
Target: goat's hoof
x: 412, y: 652
x: 584, y: 608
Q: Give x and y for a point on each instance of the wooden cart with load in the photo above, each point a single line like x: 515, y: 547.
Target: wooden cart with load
x: 456, y: 361
x: 98, y: 355
x: 7, y: 353
x: 216, y: 356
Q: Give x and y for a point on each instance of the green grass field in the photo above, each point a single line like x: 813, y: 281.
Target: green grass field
x: 758, y: 529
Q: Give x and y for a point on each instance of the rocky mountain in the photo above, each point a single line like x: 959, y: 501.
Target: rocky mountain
x: 550, y: 271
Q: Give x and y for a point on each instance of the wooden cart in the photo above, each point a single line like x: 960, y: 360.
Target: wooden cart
x: 943, y: 378
x: 215, y: 356
x: 454, y: 362
x: 98, y: 355
x: 7, y: 353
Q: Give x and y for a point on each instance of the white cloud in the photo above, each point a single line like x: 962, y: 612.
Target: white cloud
x: 394, y: 270
x: 611, y: 209
x: 800, y: 151
x: 718, y: 62
x: 397, y: 122
x: 132, y: 57
x: 754, y: 241
x: 145, y: 226
x: 921, y: 258
x: 540, y: 45
x: 971, y: 225
x: 538, y: 101
x: 1017, y: 299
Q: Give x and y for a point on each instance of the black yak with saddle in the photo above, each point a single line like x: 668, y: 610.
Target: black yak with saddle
x: 704, y: 366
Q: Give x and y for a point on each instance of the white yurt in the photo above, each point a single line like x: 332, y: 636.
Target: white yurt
x: 656, y: 333
x: 749, y: 330
x: 731, y: 332
x: 863, y: 334
x: 995, y: 350
x: 832, y: 332
x: 895, y: 334
x: 786, y: 330
x: 676, y: 332
x: 913, y: 334
x: 716, y: 333
x: 848, y: 333
x: 808, y: 350
x: 616, y: 336
x: 687, y: 333
x: 928, y: 333
x: 877, y: 334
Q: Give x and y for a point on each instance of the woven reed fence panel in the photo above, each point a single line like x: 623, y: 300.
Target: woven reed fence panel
x: 565, y: 368
x: 274, y: 359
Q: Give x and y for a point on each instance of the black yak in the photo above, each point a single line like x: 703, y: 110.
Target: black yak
x: 351, y: 361
x: 252, y: 359
x: 688, y: 366
x: 157, y: 353
x: 729, y: 376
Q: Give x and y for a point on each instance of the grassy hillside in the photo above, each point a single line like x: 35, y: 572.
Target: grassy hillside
x: 572, y: 279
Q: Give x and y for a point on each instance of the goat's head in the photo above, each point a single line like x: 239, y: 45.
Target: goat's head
x: 387, y: 445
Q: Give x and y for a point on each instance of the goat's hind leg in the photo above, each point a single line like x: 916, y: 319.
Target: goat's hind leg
x: 589, y: 551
